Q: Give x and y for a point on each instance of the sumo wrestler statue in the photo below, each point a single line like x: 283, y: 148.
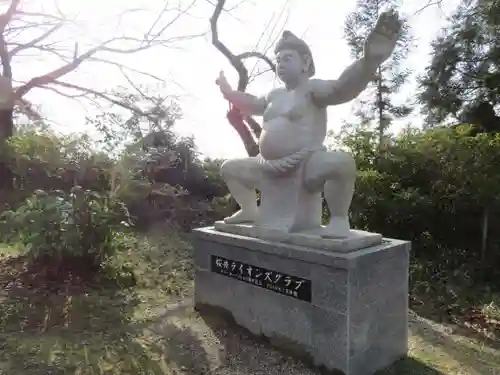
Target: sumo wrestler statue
x: 295, y: 126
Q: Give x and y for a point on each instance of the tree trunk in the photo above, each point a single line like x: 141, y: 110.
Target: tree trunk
x: 6, y: 132
x: 250, y: 145
x: 484, y: 238
x: 235, y: 118
x: 380, y: 109
x: 244, y: 126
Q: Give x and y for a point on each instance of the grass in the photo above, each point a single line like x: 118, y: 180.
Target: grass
x: 152, y: 329
x: 94, y: 331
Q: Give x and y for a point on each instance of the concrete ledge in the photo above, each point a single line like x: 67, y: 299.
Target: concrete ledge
x: 358, y: 239
x: 306, y: 254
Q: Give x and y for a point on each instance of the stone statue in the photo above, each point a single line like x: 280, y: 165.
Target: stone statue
x: 293, y: 166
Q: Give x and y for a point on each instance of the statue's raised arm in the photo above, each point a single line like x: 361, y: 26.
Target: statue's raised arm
x: 379, y: 45
x: 248, y: 104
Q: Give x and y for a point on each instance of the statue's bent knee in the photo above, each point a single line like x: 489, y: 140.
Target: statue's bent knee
x: 244, y: 171
x: 336, y: 164
x: 348, y: 165
x: 228, y: 168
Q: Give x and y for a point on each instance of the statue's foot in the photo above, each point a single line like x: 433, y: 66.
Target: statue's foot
x: 337, y: 228
x: 241, y: 217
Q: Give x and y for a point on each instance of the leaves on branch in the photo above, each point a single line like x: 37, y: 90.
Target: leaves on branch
x: 378, y: 106
x: 464, y: 71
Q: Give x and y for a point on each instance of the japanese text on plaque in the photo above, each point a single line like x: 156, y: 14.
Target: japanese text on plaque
x: 278, y: 282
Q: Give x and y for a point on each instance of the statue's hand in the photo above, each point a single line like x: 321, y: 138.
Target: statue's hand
x: 383, y: 38
x: 224, y: 86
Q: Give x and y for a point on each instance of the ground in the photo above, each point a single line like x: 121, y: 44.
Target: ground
x: 152, y: 329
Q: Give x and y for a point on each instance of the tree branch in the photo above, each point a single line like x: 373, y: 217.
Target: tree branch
x: 34, y: 42
x: 56, y: 19
x: 429, y: 4
x: 6, y: 97
x: 59, y: 18
x: 26, y: 108
x: 66, y: 95
x: 124, y: 67
x: 258, y: 55
x: 254, y: 125
x: 243, y: 77
x: 180, y: 13
x: 101, y: 95
x: 236, y: 62
x: 7, y: 16
x: 78, y: 60
x: 4, y: 55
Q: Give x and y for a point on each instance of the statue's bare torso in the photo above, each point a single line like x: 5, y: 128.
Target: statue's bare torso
x: 292, y: 122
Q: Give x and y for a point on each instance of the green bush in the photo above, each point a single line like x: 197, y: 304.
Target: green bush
x: 81, y: 226
x: 439, y: 189
x: 155, y: 183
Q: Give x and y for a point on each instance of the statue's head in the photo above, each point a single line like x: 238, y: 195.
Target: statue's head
x: 294, y: 58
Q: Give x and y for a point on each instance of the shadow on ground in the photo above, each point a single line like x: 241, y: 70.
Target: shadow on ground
x: 451, y: 351
x: 453, y: 299
x: 92, y: 333
x: 87, y: 331
x: 410, y: 366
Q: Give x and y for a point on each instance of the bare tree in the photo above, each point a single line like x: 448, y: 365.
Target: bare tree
x: 47, y: 37
x: 248, y: 129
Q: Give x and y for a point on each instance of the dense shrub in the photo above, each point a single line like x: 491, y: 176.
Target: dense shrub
x: 439, y: 188
x: 43, y: 160
x: 60, y: 228
x: 155, y: 183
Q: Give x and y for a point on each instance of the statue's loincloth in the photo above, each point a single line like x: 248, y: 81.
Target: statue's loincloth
x: 288, y: 163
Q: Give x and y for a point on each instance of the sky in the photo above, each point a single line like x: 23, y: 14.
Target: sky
x: 189, y: 69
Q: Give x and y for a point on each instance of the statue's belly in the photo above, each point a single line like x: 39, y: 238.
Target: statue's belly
x: 280, y: 138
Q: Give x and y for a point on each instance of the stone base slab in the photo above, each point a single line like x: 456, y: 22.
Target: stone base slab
x: 357, y: 240
x: 346, y: 312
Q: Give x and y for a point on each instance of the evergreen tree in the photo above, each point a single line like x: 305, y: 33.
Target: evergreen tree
x: 462, y: 82
x: 380, y: 108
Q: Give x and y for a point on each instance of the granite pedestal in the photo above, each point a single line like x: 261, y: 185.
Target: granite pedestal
x: 346, y: 312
